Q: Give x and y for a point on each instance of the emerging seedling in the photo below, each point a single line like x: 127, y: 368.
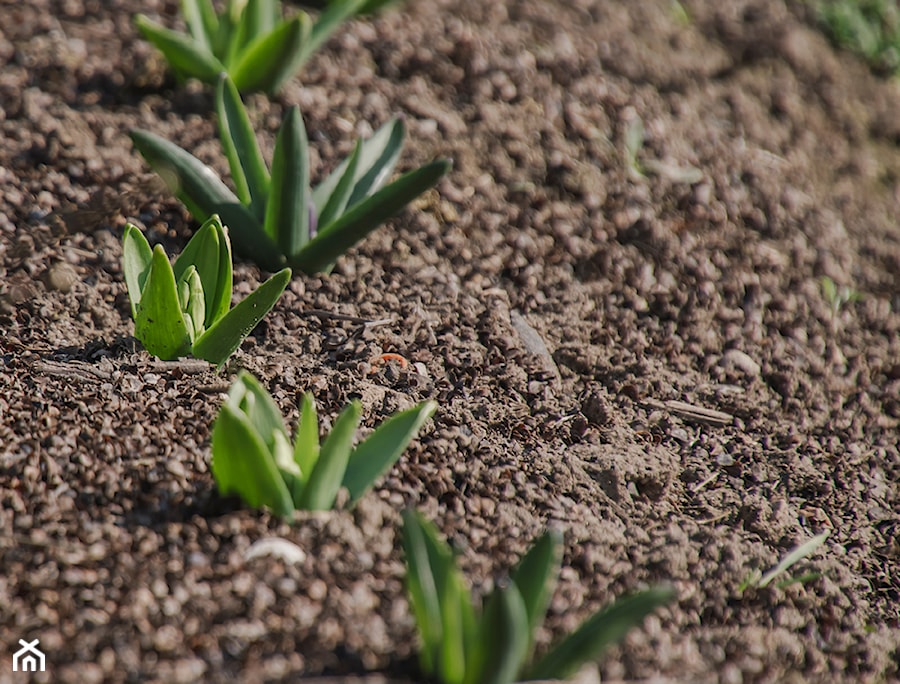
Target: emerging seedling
x: 250, y: 40
x: 759, y: 580
x: 276, y: 219
x: 184, y: 309
x: 495, y: 647
x: 252, y: 454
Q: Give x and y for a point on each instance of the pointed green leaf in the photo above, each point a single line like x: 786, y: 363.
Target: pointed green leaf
x: 185, y: 54
x: 251, y: 398
x: 607, y: 627
x: 337, y: 237
x: 377, y: 158
x: 248, y: 170
x: 287, y: 213
x: 324, y: 480
x: 241, y: 464
x: 159, y: 323
x: 455, y: 604
x: 260, y: 17
x: 327, y: 23
x: 504, y: 637
x: 269, y: 60
x: 198, y: 18
x: 535, y: 577
x: 225, y: 335
x: 336, y: 203
x: 373, y: 457
x: 428, y: 561
x: 306, y: 448
x: 204, y: 194
x: 136, y: 259
x: 798, y: 554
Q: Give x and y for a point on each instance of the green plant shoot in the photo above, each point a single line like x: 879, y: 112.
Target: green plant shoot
x: 458, y: 646
x: 275, y: 218
x: 185, y: 309
x: 252, y: 454
x: 250, y: 40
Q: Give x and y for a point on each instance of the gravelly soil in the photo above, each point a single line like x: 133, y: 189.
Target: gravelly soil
x: 553, y: 295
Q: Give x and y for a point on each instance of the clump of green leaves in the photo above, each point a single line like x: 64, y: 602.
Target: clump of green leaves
x: 870, y: 28
x: 275, y: 218
x: 250, y: 40
x: 186, y: 308
x: 460, y: 646
x: 759, y: 580
x: 252, y: 454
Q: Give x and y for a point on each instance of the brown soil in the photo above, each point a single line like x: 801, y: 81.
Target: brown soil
x: 770, y: 162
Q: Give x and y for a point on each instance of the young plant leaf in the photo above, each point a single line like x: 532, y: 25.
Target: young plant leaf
x: 336, y: 203
x: 248, y: 170
x: 270, y: 59
x: 428, y: 561
x: 328, y: 21
x: 241, y: 463
x: 136, y: 259
x: 608, y: 626
x: 287, y: 217
x: 377, y: 157
x: 204, y: 194
x: 798, y: 554
x: 334, y: 239
x: 159, y: 323
x: 504, y: 636
x: 225, y: 335
x: 186, y: 55
x: 535, y: 577
x: 209, y: 251
x: 324, y: 481
x: 373, y: 457
x: 200, y: 20
x: 455, y: 602
x: 306, y: 446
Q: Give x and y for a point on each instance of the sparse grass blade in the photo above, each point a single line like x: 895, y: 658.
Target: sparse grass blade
x: 805, y: 549
x: 159, y: 323
x: 334, y: 239
x: 136, y: 259
x: 248, y: 170
x: 225, y: 335
x: 373, y: 457
x: 325, y: 479
x: 287, y: 215
x: 608, y: 626
x: 269, y: 60
x: 186, y: 55
x: 242, y: 464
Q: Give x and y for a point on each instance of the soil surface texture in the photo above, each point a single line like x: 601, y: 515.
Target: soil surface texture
x: 617, y: 298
